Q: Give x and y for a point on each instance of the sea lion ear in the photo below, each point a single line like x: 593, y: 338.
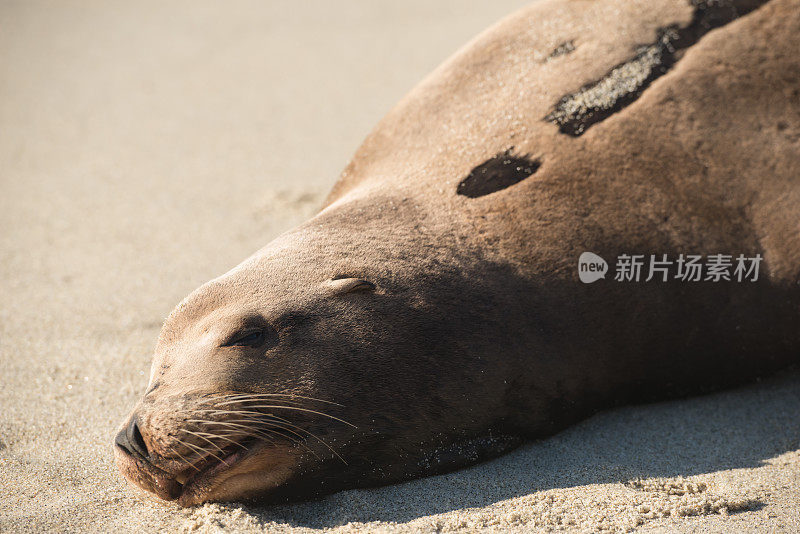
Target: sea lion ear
x: 341, y: 286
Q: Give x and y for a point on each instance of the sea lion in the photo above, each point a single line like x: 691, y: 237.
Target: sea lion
x: 433, y: 314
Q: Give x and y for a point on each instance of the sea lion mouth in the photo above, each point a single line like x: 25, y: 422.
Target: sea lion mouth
x: 142, y: 473
x: 191, y: 484
x: 211, y: 471
x: 220, y: 447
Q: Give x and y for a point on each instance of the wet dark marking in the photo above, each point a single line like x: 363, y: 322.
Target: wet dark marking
x: 496, y: 173
x: 626, y: 82
x: 562, y: 50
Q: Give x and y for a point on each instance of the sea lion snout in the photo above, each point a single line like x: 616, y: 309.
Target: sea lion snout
x: 130, y: 439
x: 134, y: 461
x: 199, y: 446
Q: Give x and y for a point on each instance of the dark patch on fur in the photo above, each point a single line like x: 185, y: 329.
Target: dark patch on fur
x: 562, y: 50
x: 496, y: 173
x: 626, y: 82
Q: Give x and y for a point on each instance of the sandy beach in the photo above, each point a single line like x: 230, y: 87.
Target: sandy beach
x: 147, y: 147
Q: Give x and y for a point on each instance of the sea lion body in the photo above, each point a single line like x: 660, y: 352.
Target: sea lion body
x: 436, y: 297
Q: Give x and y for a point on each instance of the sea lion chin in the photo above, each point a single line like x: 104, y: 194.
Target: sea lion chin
x: 431, y: 314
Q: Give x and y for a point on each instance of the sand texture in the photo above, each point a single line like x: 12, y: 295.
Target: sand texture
x: 146, y: 147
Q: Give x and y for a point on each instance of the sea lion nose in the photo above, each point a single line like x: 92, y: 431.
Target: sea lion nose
x: 130, y: 439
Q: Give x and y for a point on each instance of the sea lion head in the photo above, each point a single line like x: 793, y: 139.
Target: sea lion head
x: 335, y: 357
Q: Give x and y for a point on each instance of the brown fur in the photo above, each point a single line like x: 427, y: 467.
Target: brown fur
x: 477, y: 332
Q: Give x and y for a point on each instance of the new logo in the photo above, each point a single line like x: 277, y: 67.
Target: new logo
x: 591, y: 267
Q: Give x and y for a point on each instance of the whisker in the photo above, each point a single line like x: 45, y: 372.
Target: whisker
x: 288, y: 427
x: 220, y: 436
x: 200, y: 451
x: 288, y: 396
x: 299, y: 441
x: 249, y: 430
x: 237, y: 421
x: 190, y: 464
x: 203, y: 438
x: 286, y: 423
x: 267, y: 424
x: 189, y: 446
x: 261, y: 432
x: 243, y: 412
x: 220, y: 412
x: 272, y: 406
x: 261, y: 422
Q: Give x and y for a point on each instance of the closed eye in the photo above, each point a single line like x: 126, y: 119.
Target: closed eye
x: 247, y: 338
